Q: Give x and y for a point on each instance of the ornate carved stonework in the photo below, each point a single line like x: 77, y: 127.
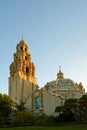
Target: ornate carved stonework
x: 23, y: 85
x: 22, y: 80
x: 22, y: 64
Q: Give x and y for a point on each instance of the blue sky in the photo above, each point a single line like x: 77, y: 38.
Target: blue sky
x: 56, y: 34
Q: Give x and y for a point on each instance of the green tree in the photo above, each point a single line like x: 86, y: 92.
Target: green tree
x: 59, y: 109
x: 83, y: 102
x: 23, y: 118
x: 68, y: 110
x: 20, y: 107
x: 5, y: 108
x: 82, y: 109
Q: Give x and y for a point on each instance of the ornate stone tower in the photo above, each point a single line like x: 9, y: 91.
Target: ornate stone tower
x: 22, y: 80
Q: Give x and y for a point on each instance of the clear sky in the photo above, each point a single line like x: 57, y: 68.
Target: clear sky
x: 56, y: 34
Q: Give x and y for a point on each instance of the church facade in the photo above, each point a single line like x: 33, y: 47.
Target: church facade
x: 23, y: 85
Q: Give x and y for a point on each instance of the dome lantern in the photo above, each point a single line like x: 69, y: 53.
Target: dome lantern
x: 60, y: 75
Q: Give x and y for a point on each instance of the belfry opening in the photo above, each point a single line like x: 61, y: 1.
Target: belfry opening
x: 27, y: 70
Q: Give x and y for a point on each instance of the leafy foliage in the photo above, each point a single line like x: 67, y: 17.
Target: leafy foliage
x: 20, y: 107
x: 83, y: 109
x: 73, y: 110
x: 23, y: 118
x: 5, y: 108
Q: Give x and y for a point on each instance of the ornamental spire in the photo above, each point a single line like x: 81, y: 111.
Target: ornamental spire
x: 60, y: 75
x: 59, y: 68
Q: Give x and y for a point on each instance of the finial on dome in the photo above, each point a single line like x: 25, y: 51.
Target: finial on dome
x: 60, y: 75
x: 59, y: 68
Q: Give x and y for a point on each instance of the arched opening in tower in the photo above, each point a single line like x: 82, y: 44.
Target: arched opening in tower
x: 25, y: 57
x: 27, y: 69
x: 21, y: 48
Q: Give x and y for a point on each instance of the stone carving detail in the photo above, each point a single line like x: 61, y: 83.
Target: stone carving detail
x: 22, y: 64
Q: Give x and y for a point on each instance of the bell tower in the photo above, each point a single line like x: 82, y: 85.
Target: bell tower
x: 22, y: 80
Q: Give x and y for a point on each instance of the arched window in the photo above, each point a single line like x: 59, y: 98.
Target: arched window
x: 25, y: 57
x: 21, y: 48
x: 48, y: 87
x: 25, y: 49
x: 37, y: 103
x: 27, y: 69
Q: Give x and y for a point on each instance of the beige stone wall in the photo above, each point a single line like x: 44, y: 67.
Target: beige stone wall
x: 20, y: 89
x: 50, y: 102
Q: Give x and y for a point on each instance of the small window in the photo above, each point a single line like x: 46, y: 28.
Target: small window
x: 48, y: 87
x: 25, y: 57
x: 21, y: 48
x: 27, y: 70
x: 25, y: 49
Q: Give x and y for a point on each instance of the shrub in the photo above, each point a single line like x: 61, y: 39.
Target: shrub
x: 23, y: 119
